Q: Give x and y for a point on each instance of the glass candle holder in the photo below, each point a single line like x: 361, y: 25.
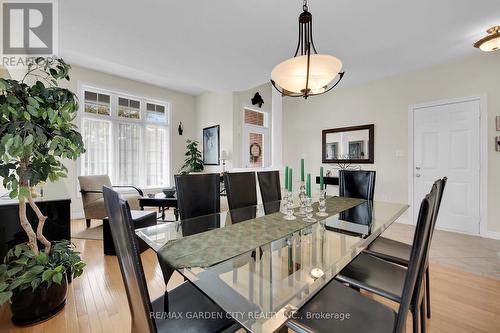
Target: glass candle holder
x: 284, y: 201
x: 289, y: 208
x: 309, y: 211
x: 302, y: 200
x: 322, y: 204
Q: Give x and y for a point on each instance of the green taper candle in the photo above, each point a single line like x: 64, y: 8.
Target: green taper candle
x: 321, y: 180
x: 290, y: 177
x: 309, y: 185
x: 286, y: 178
x: 302, y: 170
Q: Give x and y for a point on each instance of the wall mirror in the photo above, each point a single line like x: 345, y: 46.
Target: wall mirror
x: 353, y: 144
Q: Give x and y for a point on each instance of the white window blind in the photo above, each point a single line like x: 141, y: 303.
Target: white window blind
x: 125, y: 138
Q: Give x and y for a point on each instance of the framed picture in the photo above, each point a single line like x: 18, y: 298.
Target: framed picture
x: 498, y: 123
x: 211, y: 145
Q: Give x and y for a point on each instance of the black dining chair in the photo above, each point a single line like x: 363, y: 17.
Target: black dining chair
x: 399, y: 253
x: 385, y: 278
x: 150, y: 316
x: 365, y: 314
x: 357, y: 184
x: 197, y: 194
x: 241, y: 190
x: 269, y: 184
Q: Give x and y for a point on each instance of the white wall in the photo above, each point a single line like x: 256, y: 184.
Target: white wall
x: 385, y: 103
x: 182, y: 106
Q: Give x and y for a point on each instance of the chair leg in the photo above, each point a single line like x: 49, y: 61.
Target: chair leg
x: 422, y: 317
x: 428, y: 292
x: 87, y: 221
x: 414, y: 314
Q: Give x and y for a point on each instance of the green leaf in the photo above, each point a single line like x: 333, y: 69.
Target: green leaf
x: 26, y: 116
x: 13, y: 271
x: 35, y: 283
x: 47, y: 275
x: 57, y: 278
x: 5, y: 296
x: 3, y: 84
x: 22, y: 261
x: 32, y: 110
x: 42, y: 258
x: 28, y: 140
x: 3, y: 286
x: 13, y: 99
x: 33, y: 102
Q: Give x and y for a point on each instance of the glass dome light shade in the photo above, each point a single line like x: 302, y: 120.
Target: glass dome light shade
x: 491, y: 42
x: 491, y: 45
x: 291, y: 74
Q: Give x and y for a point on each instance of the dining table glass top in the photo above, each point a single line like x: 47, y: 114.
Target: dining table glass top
x: 262, y: 287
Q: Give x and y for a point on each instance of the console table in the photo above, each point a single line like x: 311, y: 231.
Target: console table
x: 329, y: 180
x: 56, y: 227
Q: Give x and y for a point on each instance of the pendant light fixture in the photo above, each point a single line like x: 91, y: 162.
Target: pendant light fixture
x: 491, y: 42
x: 307, y: 73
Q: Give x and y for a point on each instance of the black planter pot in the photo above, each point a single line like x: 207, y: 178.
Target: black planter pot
x: 30, y: 307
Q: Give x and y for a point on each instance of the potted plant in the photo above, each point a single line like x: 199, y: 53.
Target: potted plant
x: 36, y: 134
x: 193, y: 161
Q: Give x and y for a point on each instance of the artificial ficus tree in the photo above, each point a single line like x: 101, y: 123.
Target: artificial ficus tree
x: 36, y: 134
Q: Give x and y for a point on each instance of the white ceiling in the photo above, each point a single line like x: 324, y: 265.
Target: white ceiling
x: 231, y: 45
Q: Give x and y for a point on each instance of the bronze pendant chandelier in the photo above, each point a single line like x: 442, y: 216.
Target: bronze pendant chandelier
x: 308, y: 73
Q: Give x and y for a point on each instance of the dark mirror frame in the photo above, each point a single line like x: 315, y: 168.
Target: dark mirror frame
x: 371, y: 144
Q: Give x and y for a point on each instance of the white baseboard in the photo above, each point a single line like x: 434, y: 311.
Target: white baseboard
x: 491, y: 234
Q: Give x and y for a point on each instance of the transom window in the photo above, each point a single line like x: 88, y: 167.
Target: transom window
x: 129, y: 108
x: 97, y: 103
x: 125, y: 137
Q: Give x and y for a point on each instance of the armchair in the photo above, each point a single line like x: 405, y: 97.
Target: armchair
x: 92, y: 198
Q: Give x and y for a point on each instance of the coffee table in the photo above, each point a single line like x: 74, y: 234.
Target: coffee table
x: 159, y: 200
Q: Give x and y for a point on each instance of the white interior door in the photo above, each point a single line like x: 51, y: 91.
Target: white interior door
x: 447, y: 143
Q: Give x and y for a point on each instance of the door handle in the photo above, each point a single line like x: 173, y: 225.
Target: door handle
x: 417, y: 175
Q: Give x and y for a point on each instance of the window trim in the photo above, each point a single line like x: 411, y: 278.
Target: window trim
x: 115, y: 120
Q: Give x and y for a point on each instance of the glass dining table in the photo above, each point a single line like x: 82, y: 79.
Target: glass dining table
x: 262, y: 287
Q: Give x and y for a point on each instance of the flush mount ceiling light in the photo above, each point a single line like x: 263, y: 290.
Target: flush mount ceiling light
x: 308, y: 73
x: 491, y: 42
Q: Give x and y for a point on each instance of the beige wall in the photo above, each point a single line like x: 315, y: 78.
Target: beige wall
x: 385, y: 103
x: 182, y: 106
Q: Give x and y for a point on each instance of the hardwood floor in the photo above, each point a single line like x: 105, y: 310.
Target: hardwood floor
x: 96, y: 302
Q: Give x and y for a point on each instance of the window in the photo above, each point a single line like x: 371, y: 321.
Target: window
x: 129, y: 108
x: 256, y: 139
x: 125, y: 137
x: 97, y: 103
x: 155, y: 112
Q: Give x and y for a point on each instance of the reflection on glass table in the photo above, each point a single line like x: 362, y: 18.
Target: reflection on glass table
x: 261, y: 287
